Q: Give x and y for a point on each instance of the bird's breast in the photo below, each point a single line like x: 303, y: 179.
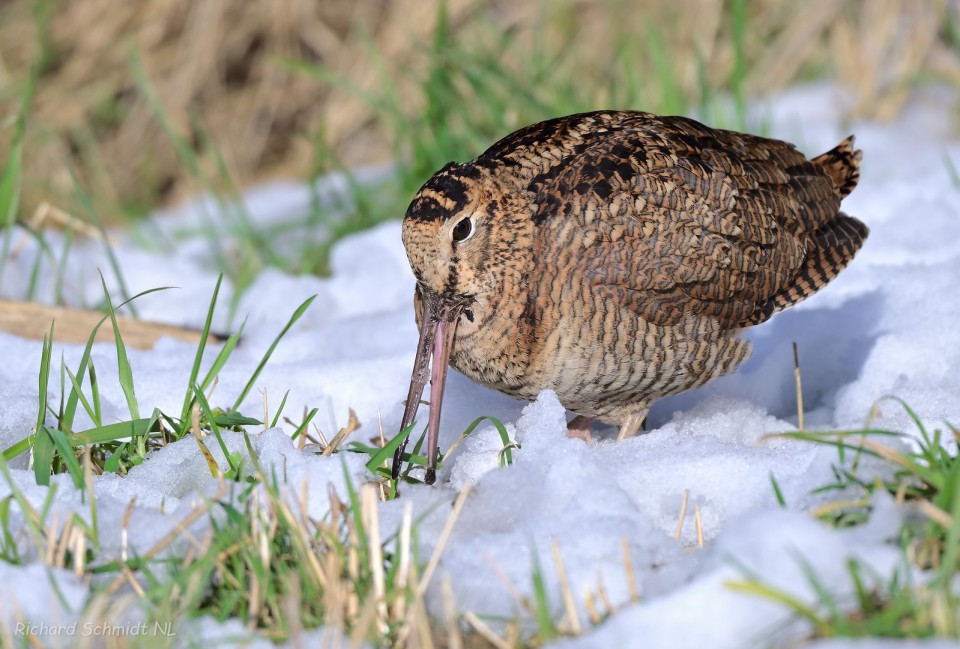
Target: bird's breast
x: 497, y: 347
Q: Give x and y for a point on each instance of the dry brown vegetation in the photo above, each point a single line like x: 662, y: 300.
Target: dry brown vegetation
x: 221, y: 67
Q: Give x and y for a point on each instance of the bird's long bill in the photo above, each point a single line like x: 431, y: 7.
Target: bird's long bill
x: 438, y: 327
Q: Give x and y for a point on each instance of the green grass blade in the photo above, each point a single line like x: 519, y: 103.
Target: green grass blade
x: 184, y: 151
x: 864, y: 595
x: 72, y: 400
x: 212, y: 421
x: 43, y: 456
x: 266, y: 357
x: 10, y: 180
x: 257, y: 468
x: 123, y: 364
x: 112, y: 463
x: 113, y: 432
x: 62, y: 265
x: 222, y: 357
x: 353, y: 500
x: 31, y: 294
x: 413, y: 458
x: 201, y: 347
x: 65, y: 449
x: 17, y: 448
x: 672, y: 102
x: 824, y: 596
x: 63, y: 386
x: 386, y: 452
x: 88, y: 492
x: 257, y: 245
x: 9, y: 551
x: 46, y: 352
x: 95, y: 395
x: 87, y: 203
x: 506, y: 453
x: 306, y: 422
x: 42, y: 443
x: 276, y: 416
x: 951, y: 169
x: 505, y: 456
x: 234, y: 418
x: 32, y: 519
x: 759, y: 589
x: 776, y: 490
x: 93, y: 414
x: 948, y: 566
x: 547, y: 629
x: 737, y: 81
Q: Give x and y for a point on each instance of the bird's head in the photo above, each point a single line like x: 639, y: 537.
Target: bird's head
x: 452, y: 234
x: 446, y: 232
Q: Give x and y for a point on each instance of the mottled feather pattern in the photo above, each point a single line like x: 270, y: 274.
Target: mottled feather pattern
x: 842, y: 164
x: 725, y: 217
x: 623, y: 252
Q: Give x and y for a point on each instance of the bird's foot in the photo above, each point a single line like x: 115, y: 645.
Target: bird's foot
x: 579, y: 428
x: 632, y: 425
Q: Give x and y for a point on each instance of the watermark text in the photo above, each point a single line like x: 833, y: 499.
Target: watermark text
x: 95, y: 629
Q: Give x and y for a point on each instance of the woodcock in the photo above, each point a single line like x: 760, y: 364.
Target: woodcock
x: 615, y: 258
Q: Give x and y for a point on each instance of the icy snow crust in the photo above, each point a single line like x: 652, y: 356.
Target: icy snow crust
x: 887, y: 325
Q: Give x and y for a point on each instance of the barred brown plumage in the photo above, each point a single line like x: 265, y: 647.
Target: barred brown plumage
x: 615, y: 256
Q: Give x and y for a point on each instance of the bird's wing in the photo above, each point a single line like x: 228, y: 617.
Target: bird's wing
x: 678, y: 219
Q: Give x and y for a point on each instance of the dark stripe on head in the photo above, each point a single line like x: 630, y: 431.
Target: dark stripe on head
x: 425, y: 209
x: 443, y: 196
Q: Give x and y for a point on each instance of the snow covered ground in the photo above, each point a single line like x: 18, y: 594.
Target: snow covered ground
x: 887, y: 326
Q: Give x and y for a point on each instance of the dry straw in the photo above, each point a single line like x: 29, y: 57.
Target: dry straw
x: 220, y: 64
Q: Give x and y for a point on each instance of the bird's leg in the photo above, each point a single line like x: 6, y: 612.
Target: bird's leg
x: 579, y: 428
x: 631, y: 425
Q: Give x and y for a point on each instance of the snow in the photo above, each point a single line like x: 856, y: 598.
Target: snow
x: 886, y: 326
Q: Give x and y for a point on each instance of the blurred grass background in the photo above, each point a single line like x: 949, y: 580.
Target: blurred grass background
x: 139, y: 104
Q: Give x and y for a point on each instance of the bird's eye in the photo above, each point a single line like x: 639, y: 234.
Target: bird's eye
x: 463, y: 229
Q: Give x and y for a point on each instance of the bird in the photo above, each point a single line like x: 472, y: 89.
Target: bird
x: 616, y: 257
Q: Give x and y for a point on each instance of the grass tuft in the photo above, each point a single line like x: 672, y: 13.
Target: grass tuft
x: 923, y: 475
x: 116, y: 447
